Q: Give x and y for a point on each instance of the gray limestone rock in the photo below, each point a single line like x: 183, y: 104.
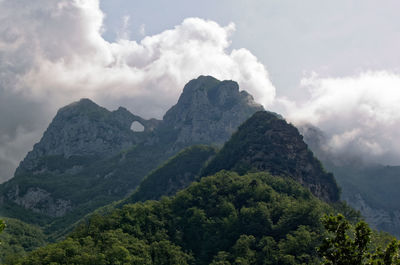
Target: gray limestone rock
x: 209, y: 111
x: 84, y: 129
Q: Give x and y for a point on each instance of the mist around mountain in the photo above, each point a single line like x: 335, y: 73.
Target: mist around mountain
x: 369, y: 187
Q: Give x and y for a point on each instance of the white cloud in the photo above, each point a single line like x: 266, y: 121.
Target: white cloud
x: 53, y: 52
x: 360, y: 114
x: 142, y: 30
x: 125, y: 33
x: 65, y: 57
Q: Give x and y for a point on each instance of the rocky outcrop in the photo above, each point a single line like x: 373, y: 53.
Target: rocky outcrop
x: 83, y: 130
x: 39, y: 201
x: 266, y: 142
x: 381, y: 219
x: 209, y: 111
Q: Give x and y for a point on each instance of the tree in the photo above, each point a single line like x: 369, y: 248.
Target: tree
x: 347, y: 245
x: 2, y: 225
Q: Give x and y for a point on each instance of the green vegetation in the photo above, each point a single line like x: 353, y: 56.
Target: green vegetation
x: 17, y: 239
x: 266, y: 142
x: 223, y: 219
x: 175, y: 174
x: 98, y: 184
x: 348, y: 245
x: 2, y: 225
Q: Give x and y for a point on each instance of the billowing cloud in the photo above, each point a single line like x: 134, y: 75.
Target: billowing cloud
x: 53, y: 52
x: 359, y: 114
x: 58, y: 52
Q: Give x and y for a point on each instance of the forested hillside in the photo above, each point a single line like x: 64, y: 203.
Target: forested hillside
x: 223, y: 219
x: 174, y: 175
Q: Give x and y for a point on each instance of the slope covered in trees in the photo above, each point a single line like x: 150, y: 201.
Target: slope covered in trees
x: 266, y: 142
x: 223, y: 219
x: 19, y: 238
x: 174, y: 175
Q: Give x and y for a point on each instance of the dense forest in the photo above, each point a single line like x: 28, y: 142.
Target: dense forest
x: 222, y: 219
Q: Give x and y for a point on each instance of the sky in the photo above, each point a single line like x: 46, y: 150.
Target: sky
x: 335, y: 64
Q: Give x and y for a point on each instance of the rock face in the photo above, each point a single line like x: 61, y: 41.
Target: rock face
x: 89, y: 156
x: 40, y: 201
x: 209, y: 111
x: 84, y: 130
x: 266, y: 142
x: 379, y: 218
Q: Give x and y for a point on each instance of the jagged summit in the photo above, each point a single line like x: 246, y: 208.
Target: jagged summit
x: 82, y: 129
x: 209, y: 111
x: 83, y: 102
x: 266, y: 142
x: 82, y: 107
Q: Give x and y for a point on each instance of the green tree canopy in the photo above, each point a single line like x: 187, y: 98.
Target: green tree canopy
x: 351, y: 245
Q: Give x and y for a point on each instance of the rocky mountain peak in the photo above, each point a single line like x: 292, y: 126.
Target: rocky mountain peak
x: 266, y: 142
x: 82, y: 107
x: 82, y: 129
x: 209, y: 111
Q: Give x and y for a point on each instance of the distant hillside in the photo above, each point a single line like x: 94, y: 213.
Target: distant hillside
x: 89, y: 156
x: 174, y: 175
x: 371, y: 188
x: 374, y: 191
x: 266, y: 142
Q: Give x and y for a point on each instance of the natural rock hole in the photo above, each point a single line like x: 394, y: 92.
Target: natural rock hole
x: 137, y: 127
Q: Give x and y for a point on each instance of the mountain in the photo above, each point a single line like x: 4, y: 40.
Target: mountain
x: 223, y: 218
x: 175, y: 174
x: 82, y: 132
x: 373, y: 190
x: 209, y: 111
x: 368, y: 187
x: 89, y: 156
x: 267, y: 212
x: 266, y: 142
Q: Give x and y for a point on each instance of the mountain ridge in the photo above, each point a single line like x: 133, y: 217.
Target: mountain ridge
x: 89, y: 156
